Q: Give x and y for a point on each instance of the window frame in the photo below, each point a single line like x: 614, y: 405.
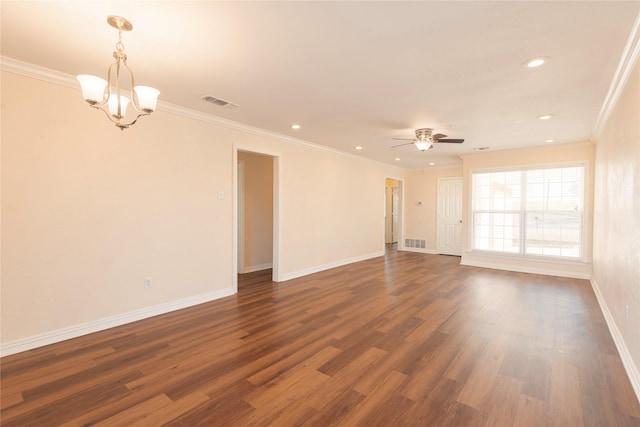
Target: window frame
x: 521, y: 253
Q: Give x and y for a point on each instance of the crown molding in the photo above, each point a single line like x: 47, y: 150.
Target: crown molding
x: 536, y: 148
x: 56, y: 77
x: 625, y: 67
x: 35, y: 71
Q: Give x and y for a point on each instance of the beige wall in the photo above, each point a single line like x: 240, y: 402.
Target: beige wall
x: 616, y: 249
x: 422, y: 186
x: 539, y: 156
x: 88, y: 211
x: 257, y: 212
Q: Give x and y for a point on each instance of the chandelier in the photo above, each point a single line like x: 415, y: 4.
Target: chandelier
x: 107, y: 95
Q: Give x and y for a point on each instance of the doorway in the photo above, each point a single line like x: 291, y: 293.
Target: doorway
x: 449, y: 218
x: 392, y: 217
x: 256, y: 213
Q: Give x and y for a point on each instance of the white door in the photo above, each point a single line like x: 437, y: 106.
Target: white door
x: 450, y: 216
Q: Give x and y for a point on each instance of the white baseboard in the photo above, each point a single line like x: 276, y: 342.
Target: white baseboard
x: 525, y: 269
x: 420, y: 250
x: 319, y: 268
x: 254, y: 268
x: 109, y: 322
x: 632, y: 370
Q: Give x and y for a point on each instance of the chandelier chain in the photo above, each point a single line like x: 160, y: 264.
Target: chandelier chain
x: 120, y: 45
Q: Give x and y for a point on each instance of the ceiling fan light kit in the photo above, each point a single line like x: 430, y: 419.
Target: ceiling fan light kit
x: 106, y: 95
x: 423, y: 146
x: 425, y: 139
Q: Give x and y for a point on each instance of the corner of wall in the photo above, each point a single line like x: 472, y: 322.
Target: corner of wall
x: 632, y: 370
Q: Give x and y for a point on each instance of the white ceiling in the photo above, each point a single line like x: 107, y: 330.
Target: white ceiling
x: 353, y: 73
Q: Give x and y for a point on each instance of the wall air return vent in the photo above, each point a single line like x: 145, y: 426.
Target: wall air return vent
x: 219, y: 102
x: 415, y: 243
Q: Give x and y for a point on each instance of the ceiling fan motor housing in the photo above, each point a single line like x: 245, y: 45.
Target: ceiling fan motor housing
x: 424, y: 134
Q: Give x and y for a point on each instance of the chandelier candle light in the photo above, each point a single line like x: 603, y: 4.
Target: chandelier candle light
x: 106, y: 95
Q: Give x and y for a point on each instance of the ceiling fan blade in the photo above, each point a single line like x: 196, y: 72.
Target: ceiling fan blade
x: 452, y: 141
x: 438, y: 136
x: 404, y: 139
x: 408, y: 143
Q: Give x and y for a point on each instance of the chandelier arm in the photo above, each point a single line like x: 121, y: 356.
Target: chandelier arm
x: 124, y: 126
x: 134, y: 96
x: 106, y: 112
x: 109, y: 71
x: 119, y: 123
x: 118, y: 95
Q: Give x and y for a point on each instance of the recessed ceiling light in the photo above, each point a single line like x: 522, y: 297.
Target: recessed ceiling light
x: 358, y: 148
x: 295, y: 126
x: 545, y: 116
x: 548, y: 141
x: 431, y: 163
x: 397, y: 158
x: 536, y: 62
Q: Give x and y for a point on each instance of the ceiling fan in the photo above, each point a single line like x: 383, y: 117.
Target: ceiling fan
x: 425, y: 139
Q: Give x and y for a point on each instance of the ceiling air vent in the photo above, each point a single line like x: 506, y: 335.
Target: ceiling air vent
x: 219, y: 102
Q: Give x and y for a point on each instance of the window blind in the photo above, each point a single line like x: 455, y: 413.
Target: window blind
x: 537, y: 212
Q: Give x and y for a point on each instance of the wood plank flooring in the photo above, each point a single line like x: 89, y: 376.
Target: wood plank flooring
x: 403, y: 340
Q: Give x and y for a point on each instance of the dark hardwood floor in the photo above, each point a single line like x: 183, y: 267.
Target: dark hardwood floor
x: 403, y: 340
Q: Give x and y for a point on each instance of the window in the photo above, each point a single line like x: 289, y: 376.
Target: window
x: 529, y: 212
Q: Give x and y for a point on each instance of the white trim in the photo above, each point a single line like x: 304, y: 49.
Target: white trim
x: 420, y: 250
x: 277, y: 238
x: 627, y: 361
x: 401, y: 186
x: 56, y: 77
x: 238, y: 216
x: 254, y: 268
x: 629, y: 57
x: 586, y: 241
x: 328, y: 266
x: 34, y: 71
x: 510, y: 266
x: 109, y: 322
x: 277, y: 228
x: 537, y: 149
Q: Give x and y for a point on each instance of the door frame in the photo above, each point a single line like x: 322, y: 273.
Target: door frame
x: 400, y: 212
x: 275, y: 275
x: 239, y: 205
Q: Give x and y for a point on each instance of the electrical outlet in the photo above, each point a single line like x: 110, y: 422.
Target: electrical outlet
x: 147, y: 282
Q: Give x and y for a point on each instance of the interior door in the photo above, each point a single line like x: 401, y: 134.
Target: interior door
x: 450, y: 216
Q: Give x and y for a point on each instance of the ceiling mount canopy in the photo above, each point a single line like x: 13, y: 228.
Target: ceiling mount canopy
x: 107, y: 95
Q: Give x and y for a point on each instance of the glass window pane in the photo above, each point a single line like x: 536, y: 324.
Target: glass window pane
x: 496, y: 231
x: 554, y: 233
x: 542, y: 205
